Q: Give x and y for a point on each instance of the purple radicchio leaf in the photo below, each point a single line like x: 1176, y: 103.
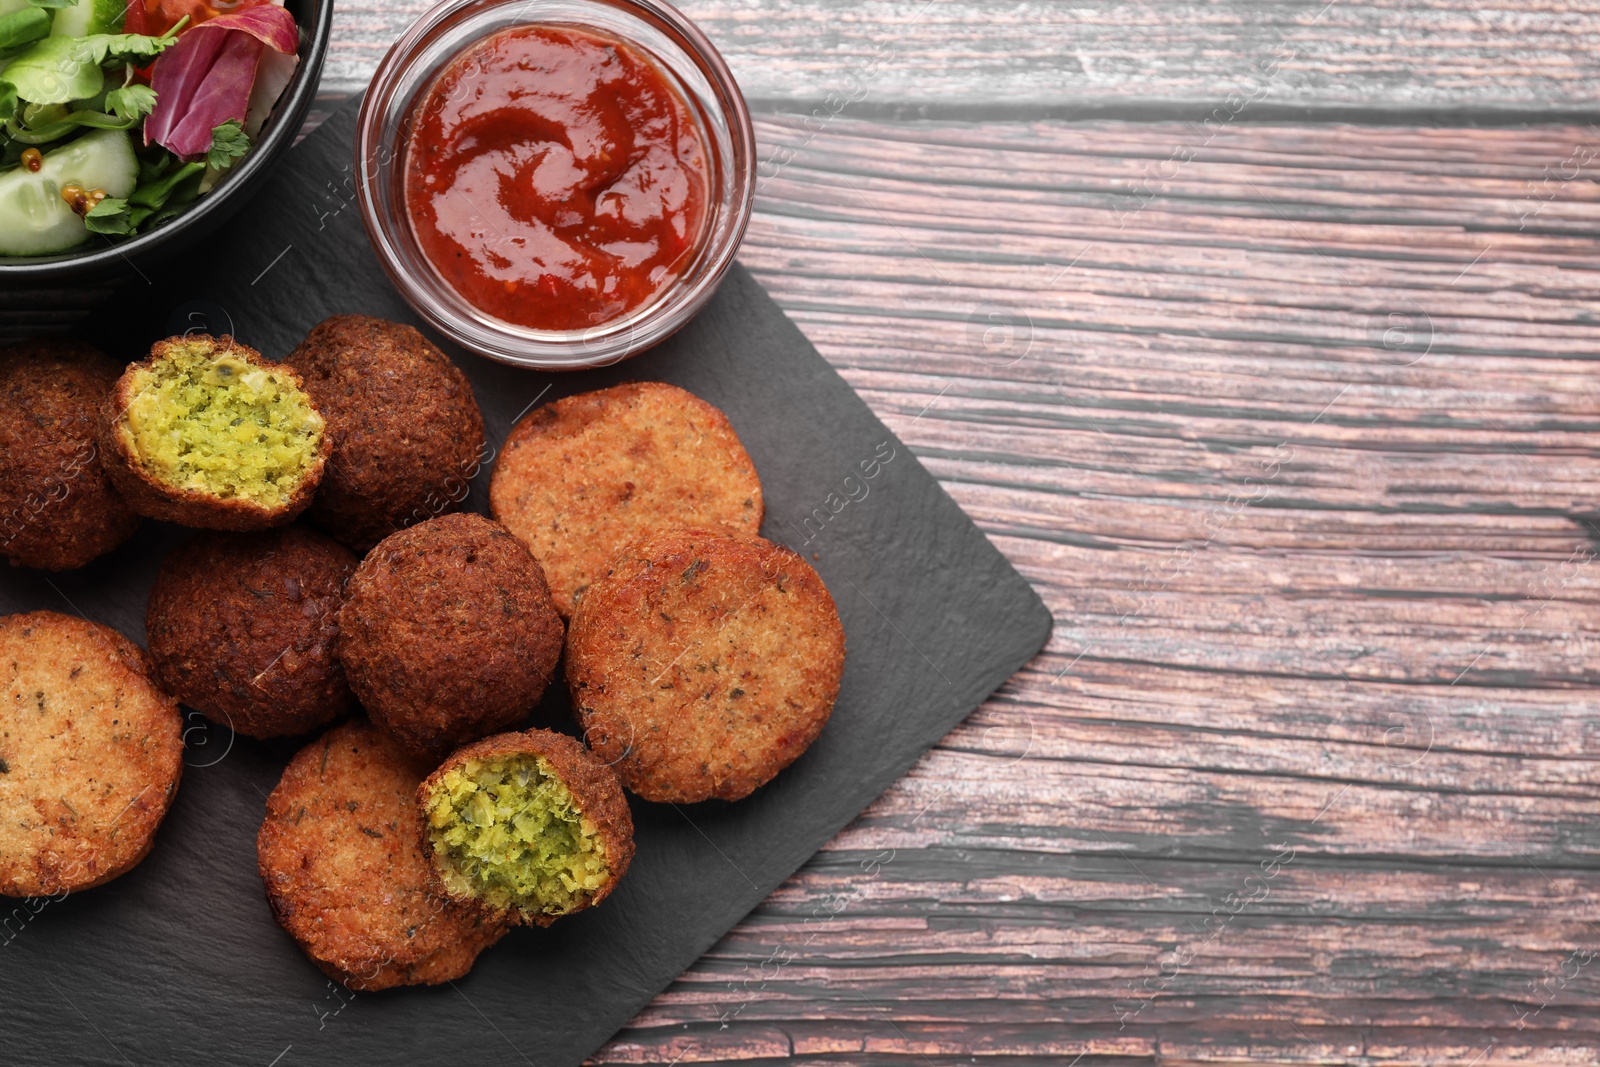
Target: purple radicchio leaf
x: 205, y: 79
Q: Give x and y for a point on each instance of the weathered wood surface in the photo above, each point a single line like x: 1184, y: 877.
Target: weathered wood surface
x: 1301, y: 444
x: 1295, y: 428
x: 999, y: 57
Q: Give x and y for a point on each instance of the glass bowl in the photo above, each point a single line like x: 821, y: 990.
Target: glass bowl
x: 703, y: 80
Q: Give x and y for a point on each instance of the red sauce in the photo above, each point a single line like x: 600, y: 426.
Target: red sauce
x: 555, y: 178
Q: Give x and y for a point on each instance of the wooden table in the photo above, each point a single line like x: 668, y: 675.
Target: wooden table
x: 1258, y: 335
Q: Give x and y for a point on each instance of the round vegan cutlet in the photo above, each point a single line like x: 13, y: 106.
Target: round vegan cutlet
x: 447, y: 633
x: 242, y: 628
x: 341, y: 858
x: 90, y: 754
x: 703, y: 664
x: 596, y: 800
x: 153, y: 492
x: 57, y: 508
x: 407, y: 433
x: 582, y: 477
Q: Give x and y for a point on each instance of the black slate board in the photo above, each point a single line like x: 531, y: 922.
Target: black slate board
x: 179, y: 962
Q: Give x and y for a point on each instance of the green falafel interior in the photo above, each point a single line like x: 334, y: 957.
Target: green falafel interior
x: 506, y: 830
x: 207, y: 420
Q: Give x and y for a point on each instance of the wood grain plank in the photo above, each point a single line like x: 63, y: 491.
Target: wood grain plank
x: 1004, y: 57
x: 1319, y: 587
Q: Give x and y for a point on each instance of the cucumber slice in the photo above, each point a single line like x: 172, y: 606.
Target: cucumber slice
x: 88, y: 16
x: 34, y: 220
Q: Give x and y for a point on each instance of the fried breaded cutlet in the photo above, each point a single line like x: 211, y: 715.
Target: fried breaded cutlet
x: 90, y: 754
x: 407, y: 433
x: 447, y: 633
x: 702, y: 664
x: 529, y: 825
x: 581, y: 478
x: 57, y: 507
x: 340, y: 855
x: 205, y: 432
x: 242, y: 628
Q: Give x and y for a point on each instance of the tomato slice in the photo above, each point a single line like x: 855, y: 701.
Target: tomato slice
x: 155, y: 17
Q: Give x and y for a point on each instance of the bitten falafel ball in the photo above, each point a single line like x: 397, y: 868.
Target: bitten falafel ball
x: 703, y: 664
x: 447, y: 632
x: 580, y: 478
x: 91, y: 751
x: 407, y: 433
x: 242, y: 628
x: 207, y: 433
x: 340, y: 854
x: 529, y: 825
x: 57, y: 508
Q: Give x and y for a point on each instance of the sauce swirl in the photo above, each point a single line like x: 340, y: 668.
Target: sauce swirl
x: 555, y: 177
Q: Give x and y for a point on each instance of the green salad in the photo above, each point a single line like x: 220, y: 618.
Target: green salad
x: 115, y: 118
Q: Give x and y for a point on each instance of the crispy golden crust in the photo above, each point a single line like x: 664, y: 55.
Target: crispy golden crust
x: 90, y: 754
x: 57, y: 508
x: 242, y: 628
x: 445, y: 965
x: 447, y: 633
x: 580, y: 478
x: 193, y: 507
x: 340, y: 856
x: 704, y: 664
x: 407, y: 433
x: 596, y: 792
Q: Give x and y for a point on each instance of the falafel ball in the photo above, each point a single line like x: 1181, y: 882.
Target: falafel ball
x: 703, y: 664
x: 529, y: 825
x: 57, y: 508
x: 582, y: 477
x: 242, y: 628
x: 340, y: 854
x: 207, y: 433
x: 447, y: 632
x: 91, y: 751
x: 407, y: 433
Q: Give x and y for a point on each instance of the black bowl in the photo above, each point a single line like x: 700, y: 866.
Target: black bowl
x: 45, y: 291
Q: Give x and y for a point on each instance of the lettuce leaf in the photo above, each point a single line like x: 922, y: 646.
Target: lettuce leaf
x: 17, y: 28
x: 58, y: 69
x: 54, y: 71
x: 158, y: 191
